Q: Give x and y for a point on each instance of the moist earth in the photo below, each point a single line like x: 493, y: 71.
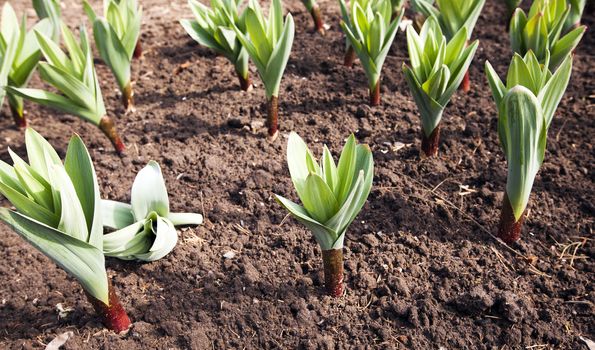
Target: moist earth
x: 423, y: 270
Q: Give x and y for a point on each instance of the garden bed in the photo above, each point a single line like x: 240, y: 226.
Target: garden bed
x: 422, y: 267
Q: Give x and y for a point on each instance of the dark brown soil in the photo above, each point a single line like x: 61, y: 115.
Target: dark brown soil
x: 422, y: 268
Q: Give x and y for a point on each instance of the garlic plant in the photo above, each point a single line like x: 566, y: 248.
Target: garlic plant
x: 213, y: 28
x: 145, y: 227
x: 452, y: 15
x: 51, y: 10
x: 20, y: 55
x: 268, y: 43
x: 331, y: 195
x: 74, y: 76
x: 316, y: 14
x: 370, y: 32
x: 526, y: 107
x: 437, y: 69
x: 58, y: 211
x: 116, y: 38
x: 541, y: 32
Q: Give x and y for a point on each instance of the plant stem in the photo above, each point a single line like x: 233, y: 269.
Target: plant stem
x: 509, y: 229
x: 273, y: 118
x: 19, y: 118
x: 317, y: 17
x: 349, y: 58
x: 375, y: 94
x: 245, y: 83
x: 466, y: 83
x: 138, y: 50
x: 114, y: 316
x: 128, y: 98
x: 332, y: 260
x: 109, y: 129
x: 429, y: 144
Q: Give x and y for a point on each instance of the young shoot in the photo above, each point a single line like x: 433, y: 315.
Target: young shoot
x: 58, y: 211
x: 452, y: 15
x: 370, y: 32
x: 314, y: 9
x: 213, y: 28
x: 541, y: 31
x: 20, y: 55
x: 269, y: 45
x: 145, y: 228
x: 526, y: 107
x: 437, y: 69
x: 74, y: 76
x: 331, y: 195
x: 50, y: 9
x: 116, y: 37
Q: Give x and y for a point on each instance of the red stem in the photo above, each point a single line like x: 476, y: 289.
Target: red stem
x: 349, y: 58
x: 114, y: 316
x: 375, y: 94
x: 466, y: 83
x: 245, y: 84
x: 138, y: 50
x: 429, y: 144
x: 317, y: 17
x: 509, y: 229
x: 333, y: 271
x: 273, y: 118
x: 109, y: 129
x: 20, y: 121
x: 128, y: 98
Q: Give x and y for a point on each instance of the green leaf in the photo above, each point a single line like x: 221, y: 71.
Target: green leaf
x: 179, y: 219
x: 116, y: 215
x: 80, y: 259
x: 112, y: 51
x: 345, y: 169
x: 278, y: 59
x: 72, y: 219
x: 522, y: 127
x: 149, y: 192
x: 79, y: 167
x: 551, y: 94
x: 318, y: 199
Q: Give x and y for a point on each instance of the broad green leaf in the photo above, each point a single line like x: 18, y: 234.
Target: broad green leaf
x: 178, y: 219
x: 79, y: 167
x: 78, y: 258
x: 116, y: 215
x: 149, y: 193
x: 112, y: 52
x: 72, y: 219
x: 318, y: 199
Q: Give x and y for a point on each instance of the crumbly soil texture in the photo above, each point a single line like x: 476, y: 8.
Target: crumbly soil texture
x: 422, y: 267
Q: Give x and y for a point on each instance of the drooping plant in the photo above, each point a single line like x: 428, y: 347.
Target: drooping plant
x: 526, y: 107
x: 269, y: 45
x: 452, y: 15
x: 213, y: 28
x: 58, y: 211
x: 541, y: 31
x: 50, y: 9
x: 331, y: 195
x: 370, y: 31
x: 116, y: 36
x: 437, y: 69
x: 74, y: 76
x: 314, y: 9
x: 21, y: 52
x: 145, y: 227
